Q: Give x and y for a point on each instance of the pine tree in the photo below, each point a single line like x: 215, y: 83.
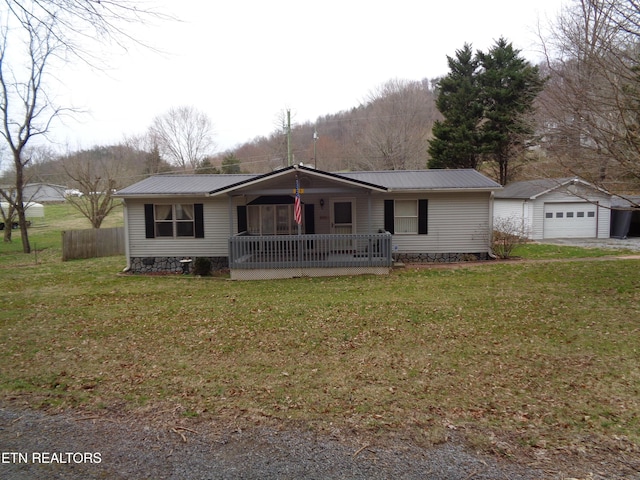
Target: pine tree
x: 230, y: 164
x: 456, y: 142
x: 486, y: 100
x: 509, y: 86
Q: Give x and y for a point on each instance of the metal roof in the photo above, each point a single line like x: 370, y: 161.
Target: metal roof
x: 625, y: 202
x: 181, y: 184
x: 292, y: 170
x: 435, y: 179
x: 396, y: 180
x: 534, y: 188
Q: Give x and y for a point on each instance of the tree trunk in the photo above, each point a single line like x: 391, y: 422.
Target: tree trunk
x: 20, y: 207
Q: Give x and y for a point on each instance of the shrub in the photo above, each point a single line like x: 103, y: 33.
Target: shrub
x: 202, y: 266
x: 507, y: 233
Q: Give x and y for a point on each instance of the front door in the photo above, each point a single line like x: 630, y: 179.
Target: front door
x: 343, y: 219
x: 343, y: 216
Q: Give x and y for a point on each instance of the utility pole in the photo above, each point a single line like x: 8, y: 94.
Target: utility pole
x: 289, y: 163
x: 315, y: 140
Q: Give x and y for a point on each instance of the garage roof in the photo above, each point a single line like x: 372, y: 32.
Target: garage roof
x: 532, y: 189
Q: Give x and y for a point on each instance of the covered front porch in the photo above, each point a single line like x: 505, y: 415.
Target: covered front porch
x: 330, y: 231
x: 253, y: 257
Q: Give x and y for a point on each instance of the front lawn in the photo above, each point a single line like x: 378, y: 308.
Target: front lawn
x: 512, y: 355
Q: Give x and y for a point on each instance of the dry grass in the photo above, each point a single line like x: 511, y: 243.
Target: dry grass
x: 519, y: 355
x: 545, y: 353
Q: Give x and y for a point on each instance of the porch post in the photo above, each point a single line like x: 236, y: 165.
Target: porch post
x: 369, y: 213
x: 230, y: 215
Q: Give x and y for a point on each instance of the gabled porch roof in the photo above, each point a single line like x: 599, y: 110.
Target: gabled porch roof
x: 274, y: 178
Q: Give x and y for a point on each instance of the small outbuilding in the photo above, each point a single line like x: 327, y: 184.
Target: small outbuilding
x: 555, y: 208
x: 625, y: 217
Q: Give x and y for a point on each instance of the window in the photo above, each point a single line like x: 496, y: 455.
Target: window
x: 580, y: 214
x: 559, y: 214
x: 569, y: 214
x: 406, y: 216
x: 271, y: 220
x: 591, y: 214
x: 548, y: 215
x: 174, y: 220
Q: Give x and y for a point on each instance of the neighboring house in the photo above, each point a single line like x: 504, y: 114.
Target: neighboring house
x: 355, y: 222
x: 555, y: 208
x: 43, y: 192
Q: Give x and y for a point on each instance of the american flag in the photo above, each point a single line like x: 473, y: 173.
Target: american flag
x: 297, y: 209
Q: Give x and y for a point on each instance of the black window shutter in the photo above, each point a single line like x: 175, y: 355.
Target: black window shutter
x: 423, y: 216
x: 242, y: 218
x: 198, y: 211
x: 309, y: 219
x: 149, y: 224
x: 389, y: 216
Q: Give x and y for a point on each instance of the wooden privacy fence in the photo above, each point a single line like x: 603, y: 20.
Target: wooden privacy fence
x: 92, y: 243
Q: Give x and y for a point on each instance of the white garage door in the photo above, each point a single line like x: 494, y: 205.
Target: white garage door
x: 569, y: 220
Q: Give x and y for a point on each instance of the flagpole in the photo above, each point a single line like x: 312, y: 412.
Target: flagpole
x: 298, y: 207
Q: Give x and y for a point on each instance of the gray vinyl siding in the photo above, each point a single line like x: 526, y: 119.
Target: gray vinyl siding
x: 603, y: 211
x: 508, y: 208
x: 214, y: 243
x: 457, y: 223
x: 518, y: 210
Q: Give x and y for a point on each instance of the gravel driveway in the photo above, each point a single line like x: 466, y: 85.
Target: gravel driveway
x: 631, y: 243
x: 133, y: 450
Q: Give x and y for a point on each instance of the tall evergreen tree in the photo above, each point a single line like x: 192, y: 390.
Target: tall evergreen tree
x: 509, y: 85
x: 455, y: 142
x: 486, y: 100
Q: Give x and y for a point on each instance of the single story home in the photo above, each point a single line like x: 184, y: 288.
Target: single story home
x: 300, y: 221
x: 44, y: 192
x: 555, y: 208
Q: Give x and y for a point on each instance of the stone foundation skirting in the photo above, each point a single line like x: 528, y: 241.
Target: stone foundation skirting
x: 157, y: 265
x: 166, y: 265
x: 439, y: 257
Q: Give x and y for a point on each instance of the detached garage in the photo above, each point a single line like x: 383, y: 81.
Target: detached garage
x: 556, y: 208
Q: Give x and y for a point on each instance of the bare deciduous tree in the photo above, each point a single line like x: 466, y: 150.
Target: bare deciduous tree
x: 95, y: 175
x: 399, y: 117
x: 78, y: 24
x: 184, y: 136
x: 25, y: 109
x: 154, y: 163
x: 47, y: 30
x: 591, y: 107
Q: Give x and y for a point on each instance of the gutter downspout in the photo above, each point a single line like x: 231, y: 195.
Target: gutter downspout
x: 127, y: 248
x: 490, y: 246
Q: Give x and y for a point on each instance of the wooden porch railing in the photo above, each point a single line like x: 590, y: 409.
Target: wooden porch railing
x: 309, y: 251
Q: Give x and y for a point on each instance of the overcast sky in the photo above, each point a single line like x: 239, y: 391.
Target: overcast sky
x: 244, y: 62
